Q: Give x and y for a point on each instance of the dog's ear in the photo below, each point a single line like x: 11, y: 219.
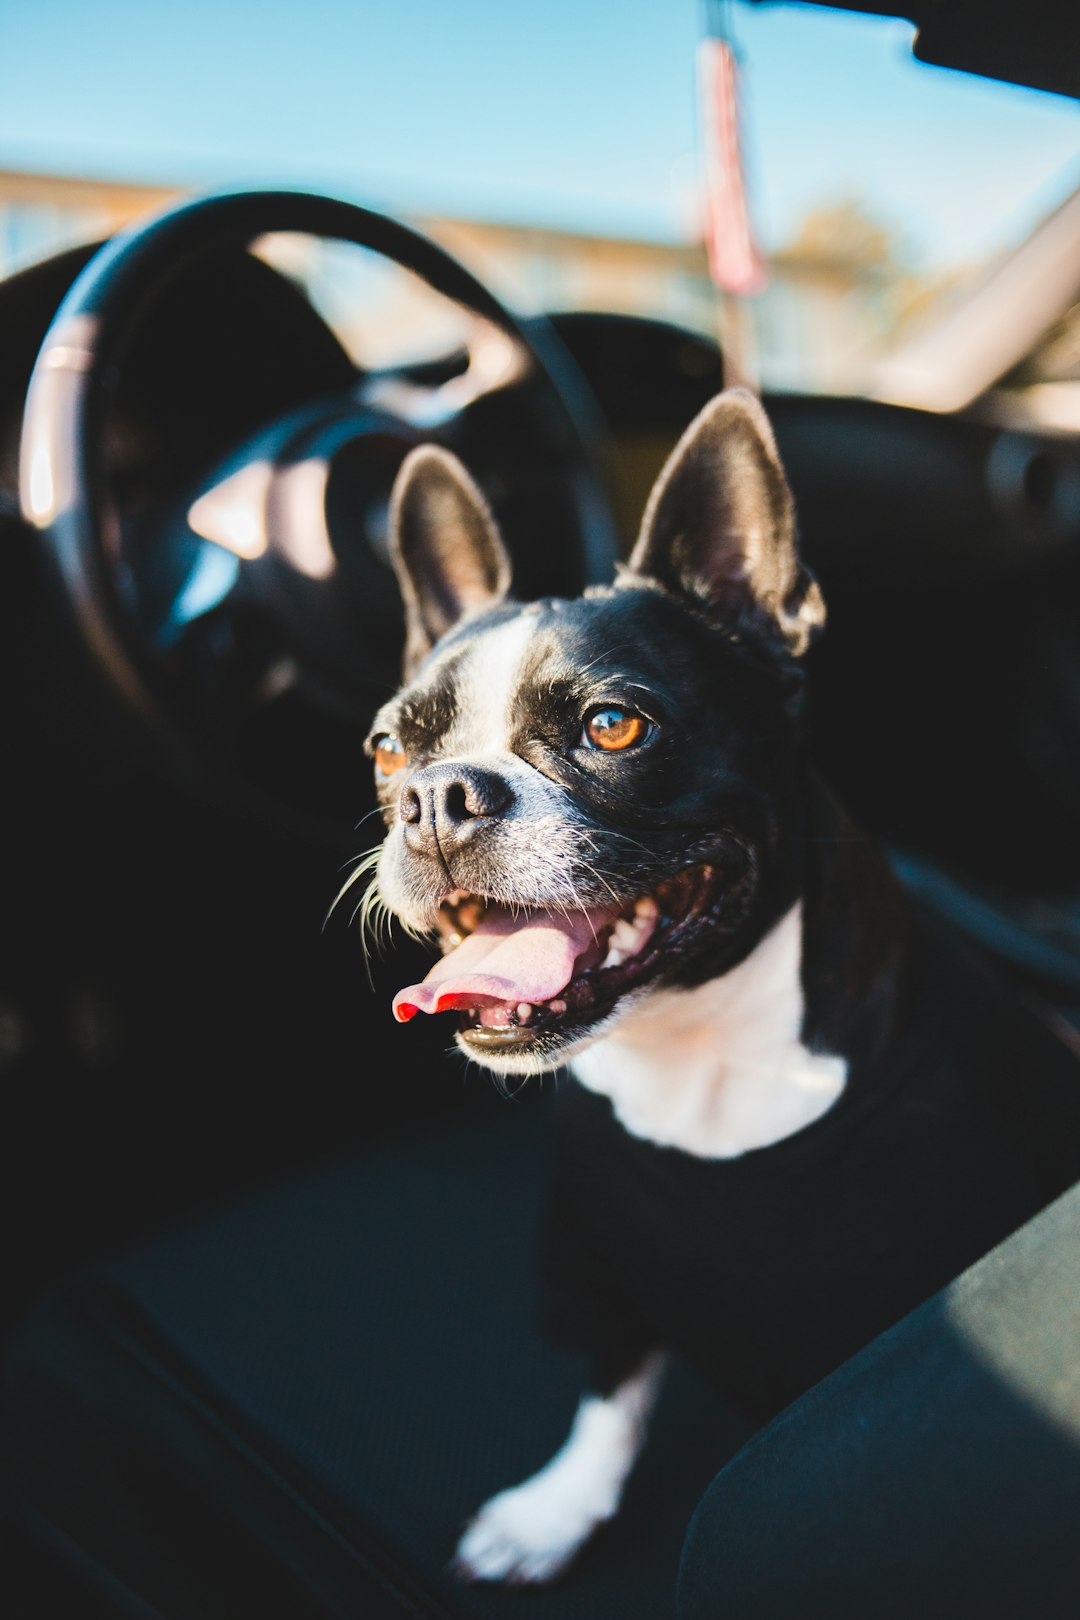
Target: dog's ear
x: 445, y: 548
x: 719, y: 527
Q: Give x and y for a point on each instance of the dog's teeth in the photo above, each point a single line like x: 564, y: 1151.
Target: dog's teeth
x: 470, y: 912
x: 645, y: 909
x: 524, y: 1011
x: 626, y: 939
x: 557, y: 1006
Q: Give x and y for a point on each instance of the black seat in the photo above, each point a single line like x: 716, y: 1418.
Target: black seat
x: 936, y: 1474
x: 290, y: 1407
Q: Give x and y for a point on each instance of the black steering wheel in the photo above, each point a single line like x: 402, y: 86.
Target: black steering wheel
x: 250, y: 623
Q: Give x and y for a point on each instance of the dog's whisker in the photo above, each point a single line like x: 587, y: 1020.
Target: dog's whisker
x: 625, y: 838
x: 599, y: 876
x: 375, y: 920
x: 377, y: 811
x: 620, y: 646
x: 365, y: 863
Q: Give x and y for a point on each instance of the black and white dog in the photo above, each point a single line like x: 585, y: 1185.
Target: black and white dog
x: 799, y: 1107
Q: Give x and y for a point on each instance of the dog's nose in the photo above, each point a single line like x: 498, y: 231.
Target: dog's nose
x: 444, y: 805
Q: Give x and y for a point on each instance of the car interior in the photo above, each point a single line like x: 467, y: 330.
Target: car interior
x: 267, y: 1313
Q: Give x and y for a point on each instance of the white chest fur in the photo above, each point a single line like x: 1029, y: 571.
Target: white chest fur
x: 719, y: 1070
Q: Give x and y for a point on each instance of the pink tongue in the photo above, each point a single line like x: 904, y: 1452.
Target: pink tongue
x: 504, y: 961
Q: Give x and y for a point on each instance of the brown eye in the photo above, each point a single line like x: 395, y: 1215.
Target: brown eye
x: 612, y: 728
x: 389, y: 755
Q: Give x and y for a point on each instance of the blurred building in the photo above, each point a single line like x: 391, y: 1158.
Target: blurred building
x: 41, y: 214
x: 833, y: 303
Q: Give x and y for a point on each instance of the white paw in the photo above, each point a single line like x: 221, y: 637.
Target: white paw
x: 528, y: 1534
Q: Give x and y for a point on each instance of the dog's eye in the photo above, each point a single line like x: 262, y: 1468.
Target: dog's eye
x: 389, y: 755
x: 611, y: 728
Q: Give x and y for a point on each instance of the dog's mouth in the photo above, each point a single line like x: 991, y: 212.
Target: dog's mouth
x: 519, y: 977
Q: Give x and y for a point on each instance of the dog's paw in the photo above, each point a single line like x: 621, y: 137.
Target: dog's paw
x: 526, y: 1535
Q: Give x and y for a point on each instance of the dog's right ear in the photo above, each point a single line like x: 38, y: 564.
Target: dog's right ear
x: 445, y: 548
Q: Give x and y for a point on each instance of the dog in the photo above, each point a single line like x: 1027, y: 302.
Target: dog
x: 799, y: 1106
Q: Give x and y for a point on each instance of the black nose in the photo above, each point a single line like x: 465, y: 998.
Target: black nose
x: 444, y: 805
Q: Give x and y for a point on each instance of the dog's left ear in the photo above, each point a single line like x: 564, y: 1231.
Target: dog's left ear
x: 720, y: 527
x: 445, y: 548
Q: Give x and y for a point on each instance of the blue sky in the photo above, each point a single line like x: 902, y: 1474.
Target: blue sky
x: 577, y: 113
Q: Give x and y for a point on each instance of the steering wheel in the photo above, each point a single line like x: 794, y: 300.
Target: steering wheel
x: 251, y: 624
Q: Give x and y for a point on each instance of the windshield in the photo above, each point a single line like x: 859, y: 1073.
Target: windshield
x: 555, y: 148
